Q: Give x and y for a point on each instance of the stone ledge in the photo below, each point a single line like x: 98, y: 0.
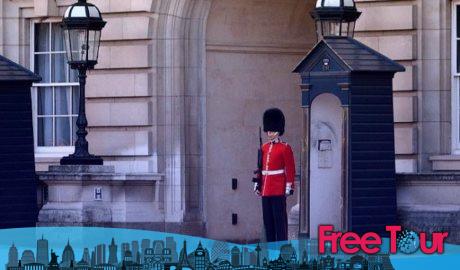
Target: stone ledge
x: 430, y: 208
x: 427, y: 178
x: 446, y: 163
x: 59, y: 173
x: 81, y: 169
x: 113, y: 177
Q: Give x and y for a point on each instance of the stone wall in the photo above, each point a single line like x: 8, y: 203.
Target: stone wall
x: 429, y: 203
x: 417, y: 34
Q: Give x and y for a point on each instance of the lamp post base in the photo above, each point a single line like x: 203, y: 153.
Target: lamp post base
x: 84, y: 160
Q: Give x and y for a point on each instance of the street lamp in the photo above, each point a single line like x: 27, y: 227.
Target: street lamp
x: 82, y: 25
x: 335, y: 18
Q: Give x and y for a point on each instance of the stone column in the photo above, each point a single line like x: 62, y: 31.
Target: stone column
x: 434, y: 98
x: 179, y: 63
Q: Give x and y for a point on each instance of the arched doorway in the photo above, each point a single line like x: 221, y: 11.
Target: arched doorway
x: 251, y: 49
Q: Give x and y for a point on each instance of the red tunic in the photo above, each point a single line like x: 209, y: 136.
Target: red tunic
x: 276, y: 157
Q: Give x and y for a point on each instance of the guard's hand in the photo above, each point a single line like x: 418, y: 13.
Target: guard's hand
x: 289, y: 189
x: 256, y: 189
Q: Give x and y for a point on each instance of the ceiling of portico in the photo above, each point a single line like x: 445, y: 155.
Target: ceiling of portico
x: 261, y: 23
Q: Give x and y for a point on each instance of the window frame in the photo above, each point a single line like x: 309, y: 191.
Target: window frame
x: 45, y: 151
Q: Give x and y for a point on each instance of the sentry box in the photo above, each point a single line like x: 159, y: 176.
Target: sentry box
x: 18, y: 184
x: 348, y: 156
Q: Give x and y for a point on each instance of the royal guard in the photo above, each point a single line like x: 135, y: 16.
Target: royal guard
x: 275, y: 176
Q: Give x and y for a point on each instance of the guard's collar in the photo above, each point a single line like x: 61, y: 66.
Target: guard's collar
x: 276, y: 140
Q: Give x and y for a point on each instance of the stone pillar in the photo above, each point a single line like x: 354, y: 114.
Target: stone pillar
x: 179, y: 35
x: 434, y: 82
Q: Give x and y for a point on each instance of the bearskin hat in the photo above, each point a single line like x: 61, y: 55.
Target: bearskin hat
x: 274, y: 121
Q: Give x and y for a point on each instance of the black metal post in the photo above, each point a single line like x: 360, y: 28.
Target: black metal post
x: 81, y: 156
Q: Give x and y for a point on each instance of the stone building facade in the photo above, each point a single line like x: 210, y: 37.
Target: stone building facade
x: 181, y: 85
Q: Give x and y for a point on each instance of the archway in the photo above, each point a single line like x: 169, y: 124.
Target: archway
x: 326, y: 154
x: 252, y: 47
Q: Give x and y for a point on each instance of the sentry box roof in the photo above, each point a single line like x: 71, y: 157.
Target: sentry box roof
x: 10, y: 71
x: 353, y: 56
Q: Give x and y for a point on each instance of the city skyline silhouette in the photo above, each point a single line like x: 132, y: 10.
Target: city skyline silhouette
x: 167, y: 253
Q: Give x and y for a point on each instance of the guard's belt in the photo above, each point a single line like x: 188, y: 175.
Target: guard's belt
x: 272, y: 172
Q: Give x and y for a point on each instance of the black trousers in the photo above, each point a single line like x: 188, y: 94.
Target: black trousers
x: 275, y: 218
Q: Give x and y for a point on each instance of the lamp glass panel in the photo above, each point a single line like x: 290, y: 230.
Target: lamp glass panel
x: 345, y: 30
x: 349, y: 3
x: 78, y: 43
x: 326, y: 28
x: 325, y: 25
x: 351, y: 29
x: 331, y: 28
x: 319, y: 29
x: 93, y: 44
x: 78, y: 11
x: 68, y: 47
x: 331, y: 3
x: 93, y: 12
x: 98, y: 38
x: 336, y: 28
x: 67, y: 12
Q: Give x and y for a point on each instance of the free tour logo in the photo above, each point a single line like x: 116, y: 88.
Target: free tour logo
x: 405, y: 241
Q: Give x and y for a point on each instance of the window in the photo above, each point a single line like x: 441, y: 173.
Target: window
x: 55, y: 98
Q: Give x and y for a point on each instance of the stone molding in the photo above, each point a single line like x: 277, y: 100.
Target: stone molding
x: 446, y: 163
x: 428, y: 179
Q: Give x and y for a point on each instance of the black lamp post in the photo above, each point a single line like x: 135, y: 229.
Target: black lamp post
x: 335, y: 18
x: 82, y: 25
